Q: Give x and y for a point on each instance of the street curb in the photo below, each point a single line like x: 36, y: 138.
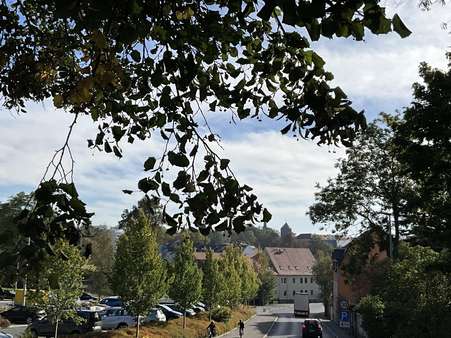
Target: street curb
x: 273, y: 322
x: 252, y: 317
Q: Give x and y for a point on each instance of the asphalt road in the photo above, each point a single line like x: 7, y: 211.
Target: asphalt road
x: 277, y: 321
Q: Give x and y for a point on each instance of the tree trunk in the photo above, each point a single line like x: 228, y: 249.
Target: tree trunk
x: 184, y: 319
x: 56, y: 328
x: 137, y: 326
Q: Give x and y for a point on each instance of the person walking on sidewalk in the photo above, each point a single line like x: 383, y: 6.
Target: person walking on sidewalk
x: 241, y: 328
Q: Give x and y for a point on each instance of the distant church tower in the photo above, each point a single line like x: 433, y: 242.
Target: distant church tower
x: 285, y: 230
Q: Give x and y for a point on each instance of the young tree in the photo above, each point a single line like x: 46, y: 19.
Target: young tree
x: 213, y: 283
x: 139, y: 275
x: 323, y: 274
x: 267, y: 291
x: 186, y: 288
x: 231, y: 272
x: 370, y: 190
x: 61, y: 283
x: 141, y: 69
x: 249, y: 280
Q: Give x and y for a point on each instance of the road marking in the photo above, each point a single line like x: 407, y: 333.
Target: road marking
x: 267, y: 333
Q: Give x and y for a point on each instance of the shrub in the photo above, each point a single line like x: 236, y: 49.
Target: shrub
x: 221, y: 314
x: 4, y: 323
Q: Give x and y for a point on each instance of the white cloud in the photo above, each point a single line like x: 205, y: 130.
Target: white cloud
x: 283, y: 173
x: 384, y: 67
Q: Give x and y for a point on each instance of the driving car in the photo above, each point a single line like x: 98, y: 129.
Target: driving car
x: 19, y: 314
x: 311, y: 328
x: 5, y: 335
x: 169, y: 312
x: 89, y: 321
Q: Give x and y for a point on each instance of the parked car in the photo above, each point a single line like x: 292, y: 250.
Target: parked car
x: 198, y: 309
x: 112, y: 301
x: 155, y: 315
x: 5, y: 335
x: 169, y: 312
x: 43, y: 327
x: 311, y: 328
x: 87, y: 297
x: 6, y: 294
x: 117, y: 318
x: 178, y: 308
x: 20, y: 314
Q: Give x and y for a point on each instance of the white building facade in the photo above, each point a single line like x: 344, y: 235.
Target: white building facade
x: 293, y: 270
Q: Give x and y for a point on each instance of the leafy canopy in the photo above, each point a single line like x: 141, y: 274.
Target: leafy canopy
x: 144, y: 68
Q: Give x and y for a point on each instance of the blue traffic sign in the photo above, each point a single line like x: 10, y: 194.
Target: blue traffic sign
x: 344, y: 316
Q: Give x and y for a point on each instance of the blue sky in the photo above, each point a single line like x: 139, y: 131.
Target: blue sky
x: 376, y: 74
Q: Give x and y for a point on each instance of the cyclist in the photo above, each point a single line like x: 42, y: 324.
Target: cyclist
x: 211, y: 329
x: 241, y: 328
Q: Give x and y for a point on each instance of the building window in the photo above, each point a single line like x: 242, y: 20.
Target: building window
x: 301, y: 280
x: 311, y: 292
x: 284, y: 280
x: 305, y: 280
x: 311, y: 280
x: 294, y: 292
x: 284, y: 293
x: 294, y: 280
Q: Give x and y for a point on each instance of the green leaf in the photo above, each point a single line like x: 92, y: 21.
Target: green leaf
x: 224, y: 163
x: 399, y: 27
x: 150, y: 163
x: 128, y: 192
x: 266, y: 216
x: 136, y: 56
x: 178, y: 159
x: 166, y: 189
x: 118, y: 132
x: 147, y: 184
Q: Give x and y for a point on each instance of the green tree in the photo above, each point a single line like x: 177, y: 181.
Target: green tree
x: 102, y: 257
x: 267, y: 291
x: 139, y: 274
x: 231, y: 272
x: 249, y: 280
x: 372, y: 310
x: 412, y: 296
x: 370, y: 191
x: 11, y: 239
x: 140, y: 69
x: 323, y: 274
x: 186, y: 288
x: 61, y: 283
x: 213, y: 283
x: 423, y: 139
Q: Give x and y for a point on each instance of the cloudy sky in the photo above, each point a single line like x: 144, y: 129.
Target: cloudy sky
x: 376, y: 74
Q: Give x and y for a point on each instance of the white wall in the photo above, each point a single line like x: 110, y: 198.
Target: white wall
x: 293, y: 284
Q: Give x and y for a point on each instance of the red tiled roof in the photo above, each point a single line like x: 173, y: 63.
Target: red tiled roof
x: 291, y: 261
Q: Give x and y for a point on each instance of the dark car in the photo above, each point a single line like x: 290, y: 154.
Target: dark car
x: 87, y: 297
x: 20, y: 315
x: 311, y: 328
x: 6, y: 294
x: 90, y: 322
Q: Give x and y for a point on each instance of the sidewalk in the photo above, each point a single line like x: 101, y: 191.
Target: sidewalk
x: 256, y: 327
x: 334, y: 330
